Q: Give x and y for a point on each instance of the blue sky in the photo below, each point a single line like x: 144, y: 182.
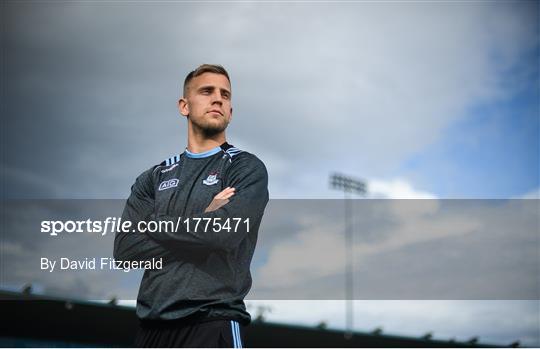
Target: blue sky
x: 492, y: 151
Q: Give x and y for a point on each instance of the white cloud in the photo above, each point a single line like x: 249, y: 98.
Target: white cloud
x: 533, y: 194
x: 442, y: 242
x: 313, y: 245
x: 396, y: 189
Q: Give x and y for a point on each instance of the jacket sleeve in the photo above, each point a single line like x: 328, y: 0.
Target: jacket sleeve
x: 249, y: 177
x: 134, y: 245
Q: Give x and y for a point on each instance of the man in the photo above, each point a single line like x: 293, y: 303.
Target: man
x: 196, y: 299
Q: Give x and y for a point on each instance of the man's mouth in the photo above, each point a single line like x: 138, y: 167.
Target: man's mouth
x: 216, y: 111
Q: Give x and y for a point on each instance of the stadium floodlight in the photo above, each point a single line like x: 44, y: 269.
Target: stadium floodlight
x: 348, y: 185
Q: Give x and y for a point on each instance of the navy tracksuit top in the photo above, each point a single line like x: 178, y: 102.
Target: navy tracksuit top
x: 205, y: 273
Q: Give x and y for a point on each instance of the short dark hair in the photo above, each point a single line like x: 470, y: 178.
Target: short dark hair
x: 204, y: 68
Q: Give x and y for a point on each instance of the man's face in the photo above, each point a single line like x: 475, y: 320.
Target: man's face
x: 208, y: 103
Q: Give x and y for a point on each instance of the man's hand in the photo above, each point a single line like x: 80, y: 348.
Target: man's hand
x: 220, y: 199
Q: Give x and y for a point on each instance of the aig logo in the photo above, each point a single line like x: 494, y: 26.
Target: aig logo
x: 171, y: 183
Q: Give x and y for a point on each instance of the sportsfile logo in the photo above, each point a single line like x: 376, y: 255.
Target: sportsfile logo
x: 171, y: 183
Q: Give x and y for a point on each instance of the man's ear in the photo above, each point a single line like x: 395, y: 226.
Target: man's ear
x: 183, y: 106
x: 230, y: 118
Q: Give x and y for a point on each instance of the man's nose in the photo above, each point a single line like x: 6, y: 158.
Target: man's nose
x: 217, y: 98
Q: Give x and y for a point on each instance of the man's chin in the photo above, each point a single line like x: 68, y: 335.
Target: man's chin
x: 210, y: 127
x: 212, y: 130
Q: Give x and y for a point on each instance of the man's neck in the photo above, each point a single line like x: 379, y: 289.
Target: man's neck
x: 200, y: 144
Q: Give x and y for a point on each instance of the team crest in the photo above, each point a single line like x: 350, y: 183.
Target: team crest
x: 211, y: 179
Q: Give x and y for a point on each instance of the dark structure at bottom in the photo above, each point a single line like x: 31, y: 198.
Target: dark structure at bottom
x: 36, y: 321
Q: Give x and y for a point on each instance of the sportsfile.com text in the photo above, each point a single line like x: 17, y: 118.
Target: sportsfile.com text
x: 116, y: 224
